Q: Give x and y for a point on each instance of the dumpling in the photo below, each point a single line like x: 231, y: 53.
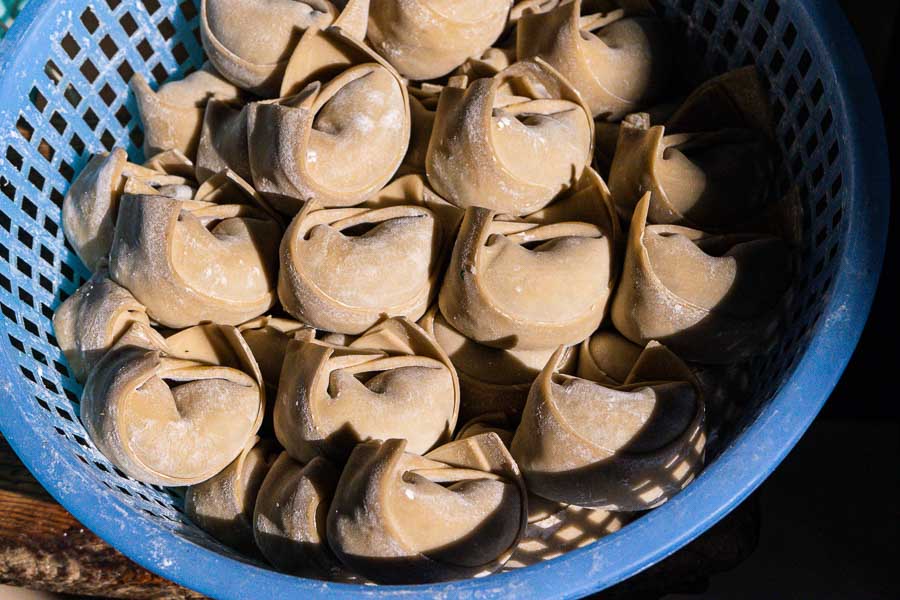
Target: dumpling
x: 230, y: 32
x: 223, y: 506
x: 615, y: 52
x: 290, y: 516
x: 510, y: 143
x: 712, y: 180
x: 340, y: 130
x: 456, y: 512
x: 190, y: 261
x: 535, y: 283
x: 392, y: 382
x: 428, y: 39
x: 606, y: 357
x: 711, y: 164
x: 490, y: 379
x: 173, y: 115
x: 268, y: 337
x: 91, y: 205
x: 622, y: 448
x: 710, y: 298
x: 344, y: 269
x: 93, y: 319
x: 174, y: 412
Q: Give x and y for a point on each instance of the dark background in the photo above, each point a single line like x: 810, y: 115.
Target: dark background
x: 829, y: 513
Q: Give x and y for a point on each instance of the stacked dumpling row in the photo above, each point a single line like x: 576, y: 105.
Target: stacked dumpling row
x: 373, y: 302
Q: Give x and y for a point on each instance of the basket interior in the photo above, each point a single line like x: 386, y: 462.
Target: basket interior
x: 75, y: 102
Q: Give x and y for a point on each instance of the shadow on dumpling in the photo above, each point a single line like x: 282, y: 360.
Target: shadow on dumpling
x: 223, y: 505
x: 289, y: 520
x: 710, y: 298
x: 623, y: 448
x: 490, y: 379
x: 402, y: 518
x: 615, y: 52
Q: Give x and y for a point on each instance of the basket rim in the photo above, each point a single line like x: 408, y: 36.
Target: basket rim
x: 736, y: 472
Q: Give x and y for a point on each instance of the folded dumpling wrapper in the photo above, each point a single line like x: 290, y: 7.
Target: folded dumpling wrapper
x: 174, y: 412
x: 607, y: 357
x: 615, y: 52
x: 223, y: 140
x: 194, y: 261
x: 91, y: 205
x: 344, y: 269
x: 504, y: 426
x: 392, y: 382
x: 341, y: 128
x: 93, y: 319
x: 711, y: 180
x: 510, y: 143
x: 268, y: 337
x: 430, y: 38
x: 710, y: 298
x: 534, y: 283
x: 232, y: 35
x: 490, y: 379
x: 488, y: 63
x: 622, y: 448
x: 456, y: 512
x: 173, y: 115
x: 290, y: 516
x: 223, y: 505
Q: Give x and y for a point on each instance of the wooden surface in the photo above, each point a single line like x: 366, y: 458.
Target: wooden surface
x: 43, y: 547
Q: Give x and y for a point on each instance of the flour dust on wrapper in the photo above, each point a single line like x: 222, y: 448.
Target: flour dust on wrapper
x: 344, y: 269
x: 623, y: 448
x: 614, y: 52
x: 186, y: 273
x: 230, y: 34
x: 341, y: 128
x: 455, y: 512
x: 428, y: 39
x: 90, y: 321
x: 91, y: 205
x: 510, y: 143
x: 537, y: 282
x: 174, y: 412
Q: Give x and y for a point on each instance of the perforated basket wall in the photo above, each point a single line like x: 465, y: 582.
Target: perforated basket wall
x: 65, y: 68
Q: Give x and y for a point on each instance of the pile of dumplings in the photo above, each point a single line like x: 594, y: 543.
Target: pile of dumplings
x: 404, y: 286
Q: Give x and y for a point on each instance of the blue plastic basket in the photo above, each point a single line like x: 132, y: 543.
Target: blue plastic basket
x: 64, y: 68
